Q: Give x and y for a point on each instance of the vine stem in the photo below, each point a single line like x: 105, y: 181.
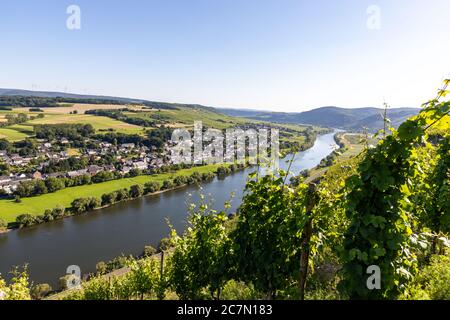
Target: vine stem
x: 289, y: 169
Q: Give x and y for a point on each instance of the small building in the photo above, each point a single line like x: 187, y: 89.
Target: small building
x: 141, y: 165
x: 77, y: 173
x: 94, y: 169
x: 125, y: 170
x: 128, y: 145
x: 109, y: 168
x: 37, y: 175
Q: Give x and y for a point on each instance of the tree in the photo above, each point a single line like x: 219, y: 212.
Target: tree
x: 109, y: 198
x: 167, y: 184
x: 136, y: 191
x: 122, y: 195
x: 151, y: 187
x: 3, y: 225
x: 54, y: 184
x: 25, y: 220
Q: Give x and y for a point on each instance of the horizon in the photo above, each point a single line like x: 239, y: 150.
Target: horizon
x: 208, y: 106
x: 280, y: 56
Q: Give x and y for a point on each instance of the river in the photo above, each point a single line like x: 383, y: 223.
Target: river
x: 127, y: 227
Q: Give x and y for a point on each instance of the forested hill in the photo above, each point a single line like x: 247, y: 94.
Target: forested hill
x: 342, y: 118
x: 21, y: 97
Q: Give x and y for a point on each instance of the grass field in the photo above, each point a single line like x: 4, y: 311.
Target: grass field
x: 354, y: 145
x: 12, y: 135
x: 24, y: 130
x: 99, y: 123
x: 9, y: 209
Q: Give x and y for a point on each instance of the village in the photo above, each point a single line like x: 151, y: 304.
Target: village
x: 127, y: 157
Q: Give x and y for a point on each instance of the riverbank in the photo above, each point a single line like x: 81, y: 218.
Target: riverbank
x: 37, y: 205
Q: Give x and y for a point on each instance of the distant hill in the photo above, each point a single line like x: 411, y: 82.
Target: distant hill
x: 72, y: 97
x: 50, y: 94
x: 343, y: 118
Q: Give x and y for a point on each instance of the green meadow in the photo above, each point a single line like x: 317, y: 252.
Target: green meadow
x: 9, y: 209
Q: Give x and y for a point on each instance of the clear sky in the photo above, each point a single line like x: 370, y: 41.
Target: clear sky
x: 282, y: 55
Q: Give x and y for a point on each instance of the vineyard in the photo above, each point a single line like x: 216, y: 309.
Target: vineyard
x: 373, y: 226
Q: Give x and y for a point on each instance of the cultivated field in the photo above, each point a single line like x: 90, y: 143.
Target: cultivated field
x: 11, y: 134
x: 24, y: 130
x: 81, y: 108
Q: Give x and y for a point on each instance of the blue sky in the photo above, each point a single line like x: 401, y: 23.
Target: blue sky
x: 282, y: 55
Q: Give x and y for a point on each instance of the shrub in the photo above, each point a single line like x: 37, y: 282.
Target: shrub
x: 151, y: 187
x: 164, y: 244
x: 58, y: 212
x: 167, y: 184
x: 101, y: 267
x: 81, y: 205
x: 122, y: 195
x: 149, y: 251
x: 109, y: 198
x: 180, y: 180
x: 136, y: 191
x: 25, y: 220
x: 3, y: 225
x: 40, y: 291
x: 48, y: 216
x: 433, y: 281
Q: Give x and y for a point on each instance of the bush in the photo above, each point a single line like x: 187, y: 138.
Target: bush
x: 101, y: 268
x: 25, y: 220
x: 58, y: 212
x: 433, y: 281
x: 136, y: 191
x: 122, y: 195
x: 109, y: 198
x: 48, y: 216
x: 151, y: 187
x: 167, y: 184
x: 40, y: 291
x: 164, y: 244
x: 223, y: 171
x: 3, y: 225
x: 234, y: 290
x: 81, y: 205
x: 180, y: 180
x: 149, y: 251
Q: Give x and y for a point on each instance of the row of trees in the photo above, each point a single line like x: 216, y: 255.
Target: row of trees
x: 82, y: 205
x: 71, y: 131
